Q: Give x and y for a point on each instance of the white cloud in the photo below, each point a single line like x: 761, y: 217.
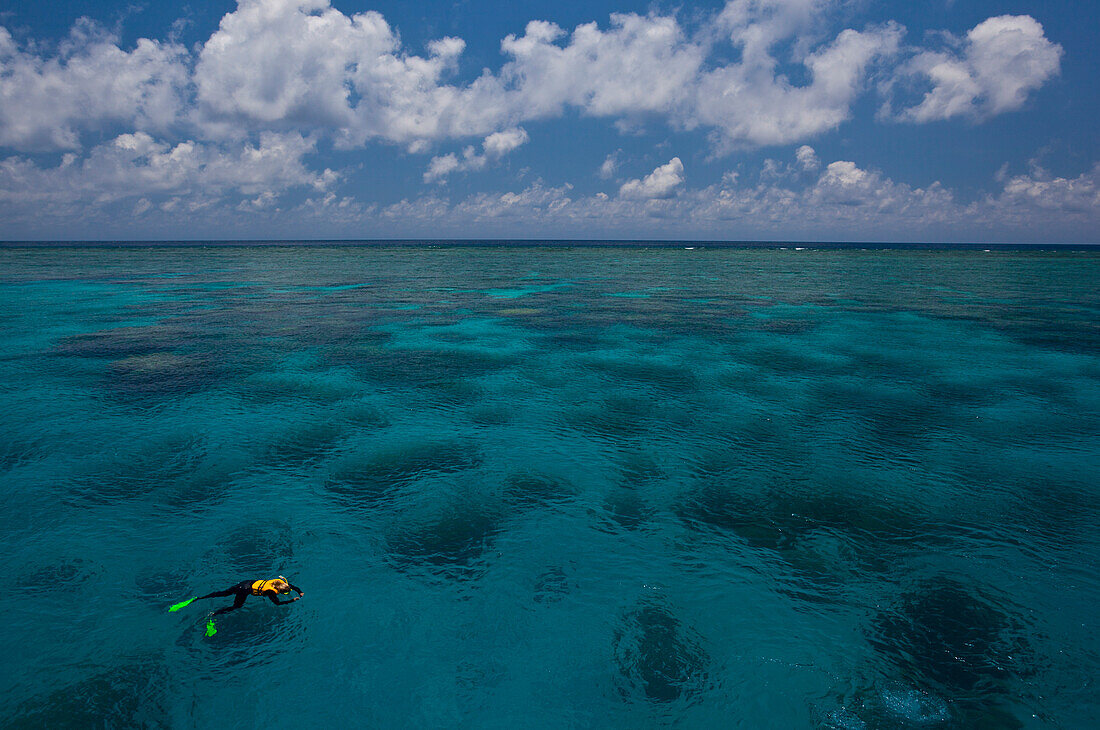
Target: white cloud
x: 91, y: 83
x: 749, y: 104
x: 639, y: 65
x: 549, y: 201
x: 286, y: 61
x: 648, y: 66
x: 807, y: 158
x: 141, y: 207
x: 757, y: 25
x: 609, y: 165
x: 274, y: 63
x: 499, y: 144
x: 1000, y: 62
x: 495, y: 146
x: 1042, y: 190
x: 137, y: 165
x: 264, y: 201
x: 280, y: 63
x: 440, y: 167
x: 845, y: 201
x: 843, y: 182
x: 661, y: 183
x: 304, y: 66
x: 232, y: 123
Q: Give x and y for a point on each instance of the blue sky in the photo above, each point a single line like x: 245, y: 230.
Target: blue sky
x: 748, y: 119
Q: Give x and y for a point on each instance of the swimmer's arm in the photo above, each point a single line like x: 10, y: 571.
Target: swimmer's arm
x: 296, y: 588
x: 275, y: 598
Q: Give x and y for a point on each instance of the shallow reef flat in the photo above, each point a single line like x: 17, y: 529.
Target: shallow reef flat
x: 552, y: 488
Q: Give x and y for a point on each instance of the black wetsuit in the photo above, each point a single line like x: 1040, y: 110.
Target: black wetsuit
x: 242, y: 591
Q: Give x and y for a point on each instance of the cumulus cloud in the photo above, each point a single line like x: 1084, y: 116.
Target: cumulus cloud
x: 440, y: 167
x: 639, y: 65
x: 135, y: 165
x: 807, y: 158
x: 844, y: 200
x: 748, y: 104
x: 495, y: 146
x: 302, y: 62
x: 661, y: 183
x: 234, y: 121
x: 843, y: 182
x: 647, y: 65
x: 1042, y: 190
x: 274, y: 63
x: 302, y: 65
x: 349, y: 75
x: 286, y: 61
x: 993, y: 70
x: 499, y: 144
x: 91, y: 83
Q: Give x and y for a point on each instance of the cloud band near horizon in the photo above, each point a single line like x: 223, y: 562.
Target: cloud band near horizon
x: 252, y: 125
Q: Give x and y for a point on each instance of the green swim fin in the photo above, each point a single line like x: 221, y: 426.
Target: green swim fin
x: 210, y: 629
x: 181, y: 604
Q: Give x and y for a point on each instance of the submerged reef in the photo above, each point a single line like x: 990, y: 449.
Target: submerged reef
x: 161, y: 374
x: 304, y: 444
x: 449, y: 545
x: 365, y: 479
x: 526, y: 490
x: 130, y: 696
x: 158, y: 361
x: 122, y: 342
x: 955, y: 641
x: 822, y: 537
x: 263, y: 547
x: 64, y: 575
x: 657, y: 657
x: 133, y: 471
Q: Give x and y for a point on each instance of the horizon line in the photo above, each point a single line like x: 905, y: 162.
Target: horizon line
x: 535, y: 242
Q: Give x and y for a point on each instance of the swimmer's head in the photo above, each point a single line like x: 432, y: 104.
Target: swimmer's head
x: 280, y: 584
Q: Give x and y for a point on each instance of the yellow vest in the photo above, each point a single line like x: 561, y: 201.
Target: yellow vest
x: 259, y: 586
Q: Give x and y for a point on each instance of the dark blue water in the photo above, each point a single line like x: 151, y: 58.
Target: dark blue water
x: 551, y: 488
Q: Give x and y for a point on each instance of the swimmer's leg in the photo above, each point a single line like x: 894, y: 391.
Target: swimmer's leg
x: 236, y: 604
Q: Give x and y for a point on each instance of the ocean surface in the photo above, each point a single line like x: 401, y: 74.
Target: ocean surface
x: 551, y: 488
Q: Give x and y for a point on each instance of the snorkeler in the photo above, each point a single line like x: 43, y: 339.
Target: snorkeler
x: 270, y: 588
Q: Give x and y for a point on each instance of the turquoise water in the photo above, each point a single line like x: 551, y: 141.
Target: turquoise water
x: 551, y: 488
